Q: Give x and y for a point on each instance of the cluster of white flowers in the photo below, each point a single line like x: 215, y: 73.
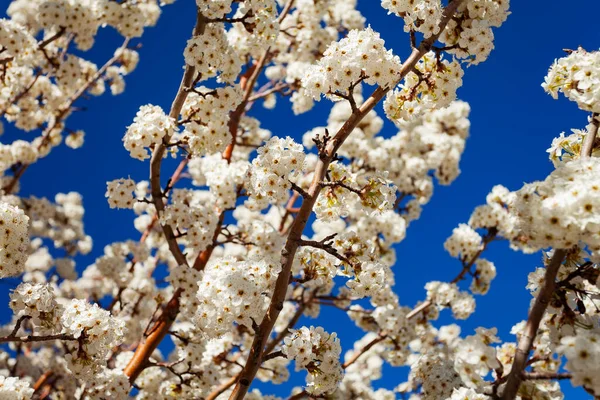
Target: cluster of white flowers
x: 120, y: 193
x: 234, y: 292
x: 210, y: 54
x: 373, y: 194
x: 335, y: 201
x: 316, y: 267
x: 84, y: 18
x: 471, y: 32
x: 433, y: 84
x: 109, y: 384
x: 61, y: 222
x: 222, y: 178
x: 258, y: 31
x: 560, y: 211
x: 495, y: 213
x: 98, y: 331
x: 420, y: 15
x: 187, y: 212
x: 359, y: 55
x: 465, y: 243
x: 187, y: 280
x: 583, y: 358
x: 437, y: 376
x: 464, y: 393
x: 369, y: 279
x: 445, y: 295
x: 14, y: 240
x: 214, y: 9
x: 577, y: 76
x: 568, y: 148
x: 207, y: 130
x: 470, y: 36
x: 36, y: 301
x: 318, y: 352
x: 475, y: 358
x: 278, y: 162
x: 12, y: 388
x: 431, y: 145
x: 485, y: 272
x: 149, y: 127
x: 17, y: 42
x: 113, y: 264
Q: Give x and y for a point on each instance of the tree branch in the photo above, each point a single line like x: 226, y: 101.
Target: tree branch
x: 287, y: 256
x: 161, y: 327
x: 533, y: 322
x: 588, y: 143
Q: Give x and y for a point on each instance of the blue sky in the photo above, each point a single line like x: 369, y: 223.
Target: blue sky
x: 513, y: 123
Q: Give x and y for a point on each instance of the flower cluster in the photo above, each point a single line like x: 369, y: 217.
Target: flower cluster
x: 149, y: 127
x: 560, y: 211
x: 109, y: 384
x: 206, y: 129
x: 14, y: 240
x: 278, y: 162
x: 420, y: 15
x: 61, y: 222
x: 120, y: 193
x: 17, y: 41
x: 445, y: 295
x: 188, y: 212
x: 437, y: 376
x: 359, y: 56
x: 12, y: 388
x: 98, y: 332
x: 318, y: 352
x: 464, y: 393
x: 470, y: 36
x: 346, y: 192
x: 583, y: 358
x: 475, y: 358
x: 222, y: 178
x: 233, y: 292
x: 431, y: 85
x: 495, y: 213
x: 210, y: 54
x: 577, y: 76
x: 258, y: 31
x: 464, y: 242
x: 369, y: 279
x: 214, y: 9
x: 36, y: 301
x: 84, y: 19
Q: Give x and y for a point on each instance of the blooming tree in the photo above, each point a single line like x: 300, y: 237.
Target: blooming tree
x: 244, y: 264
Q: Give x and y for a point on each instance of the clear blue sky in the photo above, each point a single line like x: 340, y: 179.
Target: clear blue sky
x: 513, y: 123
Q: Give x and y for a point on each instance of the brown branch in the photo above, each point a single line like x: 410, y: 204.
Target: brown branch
x: 41, y: 382
x: 222, y: 388
x: 165, y: 321
x: 533, y: 323
x: 236, y: 115
x: 588, y: 143
x: 287, y: 256
x: 159, y: 151
x: 380, y: 338
x: 546, y: 376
